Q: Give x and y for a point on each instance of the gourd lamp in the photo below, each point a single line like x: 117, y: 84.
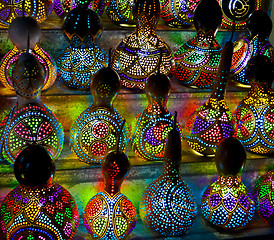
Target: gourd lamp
x: 213, y: 121
x: 255, y: 113
x: 121, y: 12
x: 263, y: 196
x: 167, y: 205
x: 227, y: 203
x: 178, y: 13
x: 240, y: 10
x: 198, y: 59
x: 37, y: 9
x: 138, y: 55
x: 38, y: 208
x: 29, y: 121
x: 25, y: 32
x: 149, y: 130
x: 255, y: 42
x: 83, y: 57
x: 62, y: 7
x: 110, y: 214
x: 95, y: 131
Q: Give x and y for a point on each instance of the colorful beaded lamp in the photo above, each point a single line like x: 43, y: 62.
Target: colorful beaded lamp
x: 95, y: 131
x: 264, y: 197
x: 198, y: 59
x: 256, y: 42
x: 240, y: 10
x: 62, y: 7
x: 149, y: 130
x: 168, y: 206
x: 110, y: 214
x: 38, y: 9
x: 121, y: 12
x: 29, y: 121
x: 213, y: 121
x: 227, y: 203
x: 25, y: 33
x: 178, y: 13
x: 83, y: 57
x: 38, y: 208
x: 139, y: 55
x: 255, y: 113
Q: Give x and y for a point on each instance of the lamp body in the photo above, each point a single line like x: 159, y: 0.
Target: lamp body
x: 240, y: 9
x: 244, y: 49
x: 254, y: 119
x: 10, y: 59
x: 178, y: 13
x: 198, y: 59
x: 38, y: 9
x: 83, y: 57
x: 109, y: 217
x: 27, y: 124
x: 263, y: 196
x: 77, y: 64
x: 62, y: 7
x: 39, y: 212
x: 227, y: 203
x: 138, y: 55
x: 120, y: 12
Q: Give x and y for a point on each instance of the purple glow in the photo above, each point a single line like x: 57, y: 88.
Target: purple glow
x: 230, y: 202
x: 215, y: 199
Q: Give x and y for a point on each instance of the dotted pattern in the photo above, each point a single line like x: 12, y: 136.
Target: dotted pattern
x: 32, y: 213
x: 227, y: 203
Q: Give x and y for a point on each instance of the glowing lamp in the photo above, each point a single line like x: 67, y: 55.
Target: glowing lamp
x: 198, y: 59
x: 121, y: 12
x: 62, y: 7
x: 83, y: 57
x: 264, y: 197
x: 213, y: 121
x: 10, y: 59
x: 255, y: 113
x: 110, y: 214
x: 38, y: 208
x: 29, y: 121
x: 95, y: 131
x: 149, y: 130
x: 167, y: 205
x: 240, y: 10
x: 178, y: 13
x: 38, y: 9
x: 139, y: 55
x: 255, y: 42
x: 227, y: 203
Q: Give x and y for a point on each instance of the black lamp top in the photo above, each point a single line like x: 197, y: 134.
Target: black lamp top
x: 34, y: 166
x: 158, y: 85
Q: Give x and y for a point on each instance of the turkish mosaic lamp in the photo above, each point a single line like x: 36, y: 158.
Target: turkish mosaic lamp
x: 255, y: 42
x: 18, y: 31
x: 62, y: 7
x: 227, y: 203
x: 197, y: 60
x: 38, y: 208
x: 240, y: 10
x: 167, y: 205
x: 83, y: 57
x: 178, y: 13
x: 110, y: 214
x: 255, y: 113
x: 37, y: 9
x: 95, y: 131
x: 264, y: 197
x: 149, y: 130
x: 139, y: 55
x: 213, y: 121
x: 121, y: 12
x: 29, y: 121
